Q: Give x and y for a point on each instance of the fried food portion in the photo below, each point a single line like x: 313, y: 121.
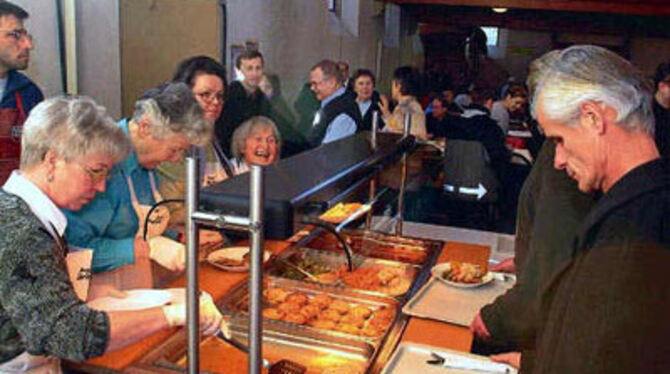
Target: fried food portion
x: 361, y: 312
x: 310, y: 311
x: 275, y: 295
x: 289, y: 308
x: 296, y: 318
x: 463, y: 272
x: 330, y: 315
x: 321, y: 300
x: 339, y: 306
x: 297, y: 298
x: 273, y: 313
x: 323, y: 324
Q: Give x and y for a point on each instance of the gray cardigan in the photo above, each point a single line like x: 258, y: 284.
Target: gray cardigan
x: 39, y: 310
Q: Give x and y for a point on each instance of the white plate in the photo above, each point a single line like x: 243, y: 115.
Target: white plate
x: 439, y: 269
x: 232, y: 253
x: 136, y: 300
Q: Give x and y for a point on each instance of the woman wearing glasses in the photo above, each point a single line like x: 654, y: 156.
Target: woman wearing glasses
x: 167, y: 120
x: 69, y: 146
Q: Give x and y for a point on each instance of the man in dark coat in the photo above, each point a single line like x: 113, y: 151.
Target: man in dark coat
x: 606, y: 310
x: 244, y: 99
x: 662, y: 108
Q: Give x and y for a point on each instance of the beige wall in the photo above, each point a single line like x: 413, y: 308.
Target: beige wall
x: 156, y: 35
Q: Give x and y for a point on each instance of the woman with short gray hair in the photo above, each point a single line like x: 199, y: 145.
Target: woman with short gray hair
x: 69, y: 145
x: 257, y: 141
x: 166, y: 122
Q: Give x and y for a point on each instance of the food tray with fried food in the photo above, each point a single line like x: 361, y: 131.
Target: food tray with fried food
x: 370, y: 275
x: 340, y: 212
x: 316, y: 310
x: 373, y: 244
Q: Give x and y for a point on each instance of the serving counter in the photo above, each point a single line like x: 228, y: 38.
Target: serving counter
x: 149, y: 354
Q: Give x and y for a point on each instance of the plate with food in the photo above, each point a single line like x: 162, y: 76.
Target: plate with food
x: 340, y: 212
x: 233, y: 258
x: 461, y: 274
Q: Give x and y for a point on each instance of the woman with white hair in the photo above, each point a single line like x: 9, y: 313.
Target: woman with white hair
x: 256, y: 141
x: 69, y: 145
x: 167, y: 120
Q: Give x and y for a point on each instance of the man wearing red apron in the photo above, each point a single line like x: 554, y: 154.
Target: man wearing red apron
x: 18, y: 94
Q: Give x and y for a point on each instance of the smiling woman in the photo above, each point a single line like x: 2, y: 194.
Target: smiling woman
x: 256, y: 141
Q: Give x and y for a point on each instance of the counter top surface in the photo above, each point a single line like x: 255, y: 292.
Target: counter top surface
x: 217, y: 283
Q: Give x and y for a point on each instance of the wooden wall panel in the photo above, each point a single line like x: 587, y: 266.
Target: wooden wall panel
x: 157, y: 34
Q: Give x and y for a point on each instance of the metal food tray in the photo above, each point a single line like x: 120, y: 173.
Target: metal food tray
x: 315, y: 354
x: 235, y: 304
x: 417, y: 250
x: 335, y: 260
x: 441, y: 302
x: 413, y: 358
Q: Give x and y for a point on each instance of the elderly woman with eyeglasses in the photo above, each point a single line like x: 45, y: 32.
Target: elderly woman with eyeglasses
x: 167, y: 120
x: 69, y: 145
x: 255, y: 142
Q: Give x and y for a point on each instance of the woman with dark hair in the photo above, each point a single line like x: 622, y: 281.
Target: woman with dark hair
x: 367, y: 97
x: 515, y: 98
x: 404, y: 90
x: 207, y: 80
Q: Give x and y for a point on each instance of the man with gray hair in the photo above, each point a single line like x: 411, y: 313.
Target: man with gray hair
x: 607, y: 310
x: 167, y: 120
x: 18, y: 94
x: 339, y: 115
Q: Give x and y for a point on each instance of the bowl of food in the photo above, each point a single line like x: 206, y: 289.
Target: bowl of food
x: 233, y: 258
x: 461, y: 274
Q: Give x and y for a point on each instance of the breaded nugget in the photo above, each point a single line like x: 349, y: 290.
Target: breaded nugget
x: 348, y: 328
x: 297, y: 298
x: 275, y: 295
x: 323, y: 324
x: 296, y: 318
x: 321, y: 300
x: 353, y: 320
x: 310, y: 311
x: 331, y: 315
x: 361, y: 312
x: 340, y: 306
x: 289, y: 308
x: 273, y: 313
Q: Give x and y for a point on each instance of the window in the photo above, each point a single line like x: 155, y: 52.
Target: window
x: 491, y: 35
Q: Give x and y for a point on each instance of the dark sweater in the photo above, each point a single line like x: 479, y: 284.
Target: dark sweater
x: 343, y: 104
x: 40, y: 312
x: 607, y: 310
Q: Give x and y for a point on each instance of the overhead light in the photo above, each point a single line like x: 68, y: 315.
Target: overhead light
x: 499, y: 10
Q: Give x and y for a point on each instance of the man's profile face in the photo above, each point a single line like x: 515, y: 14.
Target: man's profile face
x: 577, y: 150
x: 15, y: 44
x: 439, y: 111
x: 322, y: 86
x: 252, y: 69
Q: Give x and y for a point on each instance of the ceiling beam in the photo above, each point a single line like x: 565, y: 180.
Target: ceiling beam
x: 640, y: 7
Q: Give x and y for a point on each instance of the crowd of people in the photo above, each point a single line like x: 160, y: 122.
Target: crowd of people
x: 593, y: 231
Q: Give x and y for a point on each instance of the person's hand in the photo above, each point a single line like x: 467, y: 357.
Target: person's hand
x: 210, y: 317
x: 141, y: 248
x: 210, y: 237
x: 512, y: 359
x: 384, y: 105
x: 505, y: 266
x: 168, y: 253
x: 478, y: 328
x: 214, y: 177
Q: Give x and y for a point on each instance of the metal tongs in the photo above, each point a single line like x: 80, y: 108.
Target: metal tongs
x: 298, y: 268
x: 466, y: 363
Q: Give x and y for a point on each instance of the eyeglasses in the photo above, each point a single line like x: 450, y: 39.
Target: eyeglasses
x: 210, y: 96
x: 96, y: 175
x: 18, y: 34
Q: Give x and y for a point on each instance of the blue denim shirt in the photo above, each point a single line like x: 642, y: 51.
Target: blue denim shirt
x: 108, y: 223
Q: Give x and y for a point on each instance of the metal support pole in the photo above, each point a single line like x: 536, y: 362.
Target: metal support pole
x: 373, y: 180
x: 192, y: 294
x: 257, y: 195
x: 403, y: 178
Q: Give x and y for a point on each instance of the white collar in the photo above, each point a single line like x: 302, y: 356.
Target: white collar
x: 38, y: 201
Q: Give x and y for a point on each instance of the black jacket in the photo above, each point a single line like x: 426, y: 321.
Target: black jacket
x: 239, y: 107
x: 608, y: 310
x: 343, y: 104
x: 366, y: 122
x: 662, y: 133
x: 550, y: 211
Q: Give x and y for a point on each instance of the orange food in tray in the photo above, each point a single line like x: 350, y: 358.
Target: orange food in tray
x: 340, y: 212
